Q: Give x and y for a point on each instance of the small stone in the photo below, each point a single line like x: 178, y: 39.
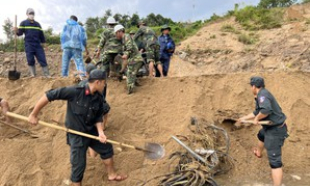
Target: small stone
x: 7, y: 59
x: 295, y: 177
x: 66, y: 182
x: 119, y: 149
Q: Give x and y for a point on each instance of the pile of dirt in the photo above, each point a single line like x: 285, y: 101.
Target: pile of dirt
x: 213, y: 50
x: 160, y: 108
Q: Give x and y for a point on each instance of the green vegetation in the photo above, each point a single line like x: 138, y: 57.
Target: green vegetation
x: 306, y: 1
x: 254, y: 18
x: 248, y: 39
x: 276, y: 3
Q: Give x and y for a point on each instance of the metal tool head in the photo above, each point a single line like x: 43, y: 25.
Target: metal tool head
x: 14, y: 75
x: 154, y: 151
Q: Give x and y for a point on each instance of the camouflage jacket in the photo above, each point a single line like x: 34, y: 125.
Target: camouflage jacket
x: 145, y: 37
x: 109, y: 43
x: 130, y: 48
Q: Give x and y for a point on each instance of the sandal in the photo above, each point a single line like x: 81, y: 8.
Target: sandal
x: 118, y: 178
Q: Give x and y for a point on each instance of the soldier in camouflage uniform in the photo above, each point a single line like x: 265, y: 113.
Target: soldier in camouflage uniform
x: 131, y: 56
x: 147, y: 42
x: 109, y: 47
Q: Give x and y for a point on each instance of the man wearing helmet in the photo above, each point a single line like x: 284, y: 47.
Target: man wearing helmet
x: 131, y: 56
x: 147, y: 42
x: 109, y: 47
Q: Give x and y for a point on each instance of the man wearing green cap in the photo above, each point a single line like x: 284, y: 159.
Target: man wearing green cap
x: 167, y: 48
x: 85, y: 108
x: 147, y: 42
x: 271, y: 137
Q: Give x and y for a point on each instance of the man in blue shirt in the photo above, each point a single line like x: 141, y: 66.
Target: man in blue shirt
x: 73, y: 43
x: 167, y: 48
x: 33, y: 38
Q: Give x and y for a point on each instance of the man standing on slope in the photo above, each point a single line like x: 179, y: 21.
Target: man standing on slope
x: 109, y: 47
x: 147, y: 42
x: 34, y: 37
x: 131, y: 57
x: 167, y: 48
x: 73, y: 43
x: 272, y: 136
x: 85, y: 109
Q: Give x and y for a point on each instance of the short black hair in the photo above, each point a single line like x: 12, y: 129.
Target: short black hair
x: 74, y: 18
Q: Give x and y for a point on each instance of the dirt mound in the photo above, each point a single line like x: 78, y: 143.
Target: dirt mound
x: 160, y: 108
x: 213, y: 50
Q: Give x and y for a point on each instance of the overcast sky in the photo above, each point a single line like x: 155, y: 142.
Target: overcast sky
x: 54, y: 13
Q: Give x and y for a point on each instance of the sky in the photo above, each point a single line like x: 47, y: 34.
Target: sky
x: 54, y: 13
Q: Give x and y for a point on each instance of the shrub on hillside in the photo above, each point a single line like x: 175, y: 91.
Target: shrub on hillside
x: 247, y: 39
x: 254, y: 18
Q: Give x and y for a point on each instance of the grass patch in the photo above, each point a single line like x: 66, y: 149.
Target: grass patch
x: 228, y: 28
x: 248, y: 39
x: 254, y: 18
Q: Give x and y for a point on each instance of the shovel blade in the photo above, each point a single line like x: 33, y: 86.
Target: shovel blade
x: 14, y: 75
x: 154, y: 151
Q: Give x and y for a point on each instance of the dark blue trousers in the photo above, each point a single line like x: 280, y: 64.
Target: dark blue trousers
x: 35, y: 51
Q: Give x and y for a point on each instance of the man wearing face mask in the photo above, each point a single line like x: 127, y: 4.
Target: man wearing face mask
x: 34, y: 39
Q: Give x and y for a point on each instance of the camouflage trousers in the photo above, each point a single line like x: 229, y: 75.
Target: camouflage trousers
x: 134, y: 66
x: 152, y: 54
x: 107, y: 62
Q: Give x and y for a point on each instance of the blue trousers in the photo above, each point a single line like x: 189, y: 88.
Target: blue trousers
x: 77, y: 56
x: 165, y: 63
x: 35, y: 51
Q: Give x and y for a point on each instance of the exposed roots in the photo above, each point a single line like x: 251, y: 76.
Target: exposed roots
x: 210, y: 142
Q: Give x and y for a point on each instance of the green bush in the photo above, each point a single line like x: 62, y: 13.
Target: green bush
x: 228, y: 28
x: 254, y: 18
x: 248, y: 39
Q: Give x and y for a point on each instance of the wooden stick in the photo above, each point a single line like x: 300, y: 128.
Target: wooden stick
x: 13, y: 115
x: 260, y: 122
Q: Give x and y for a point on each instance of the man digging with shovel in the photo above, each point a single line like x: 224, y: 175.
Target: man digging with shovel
x: 270, y: 136
x: 85, y: 108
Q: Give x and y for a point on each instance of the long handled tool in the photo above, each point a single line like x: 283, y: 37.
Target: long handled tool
x: 260, y: 122
x: 152, y: 150
x: 13, y: 74
x: 20, y: 129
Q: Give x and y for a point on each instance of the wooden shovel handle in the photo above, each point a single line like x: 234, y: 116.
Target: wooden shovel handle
x: 17, y: 116
x: 260, y: 122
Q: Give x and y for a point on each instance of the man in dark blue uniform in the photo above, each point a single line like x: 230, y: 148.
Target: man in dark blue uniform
x: 271, y: 137
x: 85, y: 109
x: 34, y: 37
x: 167, y: 48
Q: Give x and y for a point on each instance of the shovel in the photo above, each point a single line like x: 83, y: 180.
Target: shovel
x: 13, y: 74
x: 152, y: 151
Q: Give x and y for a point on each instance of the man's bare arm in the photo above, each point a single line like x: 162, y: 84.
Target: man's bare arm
x: 33, y: 117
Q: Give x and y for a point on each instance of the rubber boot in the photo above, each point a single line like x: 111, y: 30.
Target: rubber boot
x: 46, y: 72
x: 32, y: 70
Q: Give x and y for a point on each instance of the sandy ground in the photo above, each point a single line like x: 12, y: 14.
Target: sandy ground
x: 210, y: 82
x: 159, y: 109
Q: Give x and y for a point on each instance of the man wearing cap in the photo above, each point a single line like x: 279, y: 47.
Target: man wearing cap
x: 167, y: 48
x: 34, y: 37
x: 132, y: 33
x: 73, y: 43
x: 109, y: 47
x: 85, y: 108
x: 271, y: 137
x: 147, y: 42
x: 131, y: 56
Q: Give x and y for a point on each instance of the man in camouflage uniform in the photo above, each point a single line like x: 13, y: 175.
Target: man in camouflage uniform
x: 147, y: 42
x: 109, y: 47
x: 131, y: 56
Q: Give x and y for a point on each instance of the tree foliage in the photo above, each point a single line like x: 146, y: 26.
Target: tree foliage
x: 7, y: 28
x: 275, y: 3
